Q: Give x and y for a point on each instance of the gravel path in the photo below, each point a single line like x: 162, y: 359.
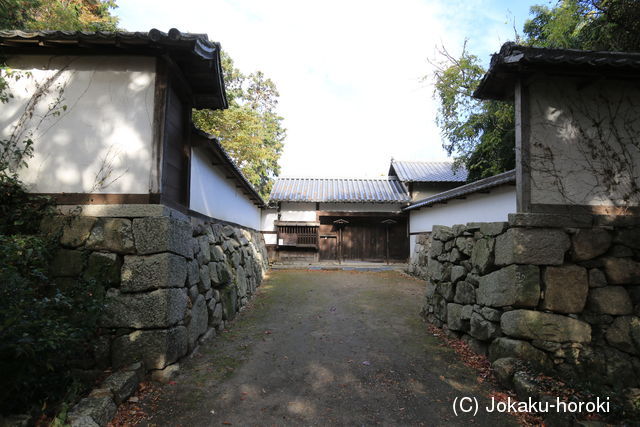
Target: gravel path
x: 324, y: 348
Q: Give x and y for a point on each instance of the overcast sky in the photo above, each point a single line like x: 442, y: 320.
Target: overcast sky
x: 349, y: 72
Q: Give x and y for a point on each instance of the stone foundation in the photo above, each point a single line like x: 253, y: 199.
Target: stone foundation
x: 420, y: 256
x: 561, y: 292
x: 169, y: 278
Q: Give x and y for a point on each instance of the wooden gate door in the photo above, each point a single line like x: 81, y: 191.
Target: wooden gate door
x: 364, y: 240
x: 328, y: 247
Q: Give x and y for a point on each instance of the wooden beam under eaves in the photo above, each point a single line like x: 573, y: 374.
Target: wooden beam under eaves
x: 14, y: 44
x: 53, y: 44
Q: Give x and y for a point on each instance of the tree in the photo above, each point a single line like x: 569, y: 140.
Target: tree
x: 480, y: 134
x: 250, y: 129
x: 69, y: 15
x: 586, y: 24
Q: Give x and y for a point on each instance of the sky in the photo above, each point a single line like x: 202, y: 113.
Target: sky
x: 350, y: 73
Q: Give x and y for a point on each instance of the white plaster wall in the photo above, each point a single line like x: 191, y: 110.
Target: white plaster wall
x: 299, y: 211
x: 421, y: 191
x: 361, y: 207
x: 214, y: 195
x: 268, y: 217
x: 478, y: 207
x: 295, y: 211
x: 102, y: 141
x: 573, y: 160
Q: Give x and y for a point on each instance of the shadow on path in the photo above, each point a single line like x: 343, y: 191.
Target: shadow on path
x: 324, y: 348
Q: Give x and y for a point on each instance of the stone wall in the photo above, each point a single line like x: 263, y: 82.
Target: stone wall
x: 419, y: 258
x: 561, y: 292
x: 169, y: 278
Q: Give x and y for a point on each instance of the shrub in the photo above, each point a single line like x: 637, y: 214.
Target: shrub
x: 44, y: 329
x: 20, y: 212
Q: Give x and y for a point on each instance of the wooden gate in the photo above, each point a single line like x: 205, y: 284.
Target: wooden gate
x: 367, y: 238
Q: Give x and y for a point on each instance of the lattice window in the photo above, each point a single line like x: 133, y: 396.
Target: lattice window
x: 298, y: 235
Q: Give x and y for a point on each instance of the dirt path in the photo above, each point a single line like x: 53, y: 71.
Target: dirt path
x: 324, y: 348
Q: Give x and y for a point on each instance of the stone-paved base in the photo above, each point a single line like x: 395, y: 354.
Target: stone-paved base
x: 100, y: 406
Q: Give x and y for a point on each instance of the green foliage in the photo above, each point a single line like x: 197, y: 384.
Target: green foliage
x: 586, y: 24
x: 16, y: 14
x: 43, y: 329
x: 560, y: 27
x: 6, y: 76
x: 250, y: 129
x: 480, y: 134
x: 495, y: 152
x: 20, y: 211
x: 69, y: 15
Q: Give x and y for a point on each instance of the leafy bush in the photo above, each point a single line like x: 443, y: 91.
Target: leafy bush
x: 43, y: 329
x: 20, y: 212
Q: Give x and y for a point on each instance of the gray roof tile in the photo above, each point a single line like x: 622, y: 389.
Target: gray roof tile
x: 514, y: 59
x: 372, y: 190
x: 195, y: 54
x: 427, y: 171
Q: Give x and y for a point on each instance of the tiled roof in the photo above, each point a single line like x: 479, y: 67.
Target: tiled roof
x: 427, y: 171
x: 481, y: 185
x: 514, y: 59
x: 372, y: 190
x: 194, y: 54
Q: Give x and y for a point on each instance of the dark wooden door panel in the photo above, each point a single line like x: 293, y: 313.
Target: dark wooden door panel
x: 328, y: 248
x: 363, y: 242
x: 365, y: 238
